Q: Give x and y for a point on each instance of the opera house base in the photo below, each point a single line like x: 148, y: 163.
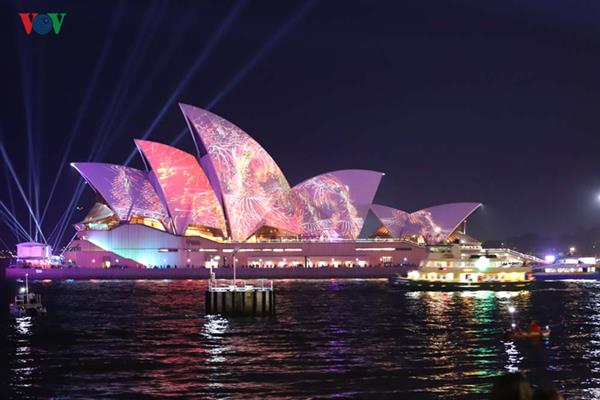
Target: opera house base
x: 229, y: 298
x: 203, y: 273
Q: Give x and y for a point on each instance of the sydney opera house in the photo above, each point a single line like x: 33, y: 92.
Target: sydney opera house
x: 230, y: 199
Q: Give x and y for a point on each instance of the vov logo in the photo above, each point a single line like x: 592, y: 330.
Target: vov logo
x: 42, y: 24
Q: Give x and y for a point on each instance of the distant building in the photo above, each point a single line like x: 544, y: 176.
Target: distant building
x: 34, y: 254
x: 232, y: 198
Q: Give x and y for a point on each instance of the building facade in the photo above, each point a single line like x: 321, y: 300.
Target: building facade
x: 231, y: 200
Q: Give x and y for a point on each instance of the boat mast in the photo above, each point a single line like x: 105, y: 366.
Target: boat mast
x: 27, y: 288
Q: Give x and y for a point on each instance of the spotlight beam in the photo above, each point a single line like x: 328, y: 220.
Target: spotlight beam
x: 275, y: 39
x: 285, y: 29
x: 68, y: 243
x: 16, y: 233
x: 68, y: 215
x: 10, y: 217
x: 211, y: 44
x: 99, y: 144
x: 84, y: 105
x: 165, y: 57
x: 16, y: 179
x: 4, y: 244
x: 139, y: 47
x: 11, y: 198
x: 14, y: 226
x: 56, y: 232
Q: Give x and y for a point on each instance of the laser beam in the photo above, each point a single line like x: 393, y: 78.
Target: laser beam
x: 211, y: 44
x: 16, y: 179
x: 84, y: 104
x: 275, y: 39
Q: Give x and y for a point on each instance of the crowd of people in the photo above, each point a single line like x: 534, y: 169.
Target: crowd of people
x: 514, y: 386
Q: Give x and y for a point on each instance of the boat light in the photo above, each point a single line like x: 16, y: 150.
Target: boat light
x: 511, y: 309
x: 22, y: 290
x: 482, y: 263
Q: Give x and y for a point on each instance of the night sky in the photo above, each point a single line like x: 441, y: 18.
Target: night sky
x: 497, y: 102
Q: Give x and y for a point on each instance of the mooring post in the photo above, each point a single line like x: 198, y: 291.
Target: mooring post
x: 251, y: 299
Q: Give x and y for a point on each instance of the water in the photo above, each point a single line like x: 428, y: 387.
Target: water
x: 150, y: 339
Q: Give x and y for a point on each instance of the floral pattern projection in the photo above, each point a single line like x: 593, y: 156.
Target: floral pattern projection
x: 335, y: 205
x: 185, y: 187
x: 434, y: 224
x: 126, y: 190
x: 254, y: 190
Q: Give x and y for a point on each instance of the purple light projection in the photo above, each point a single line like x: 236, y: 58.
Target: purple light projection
x: 434, y: 224
x: 253, y: 188
x: 184, y: 186
x: 127, y: 191
x: 335, y: 204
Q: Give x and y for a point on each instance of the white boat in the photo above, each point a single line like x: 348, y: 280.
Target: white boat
x: 568, y: 269
x: 27, y: 304
x: 451, y: 268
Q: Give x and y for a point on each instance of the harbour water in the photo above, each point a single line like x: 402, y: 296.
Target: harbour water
x: 330, y: 338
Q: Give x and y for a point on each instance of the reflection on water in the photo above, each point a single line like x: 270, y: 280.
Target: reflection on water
x: 331, y: 338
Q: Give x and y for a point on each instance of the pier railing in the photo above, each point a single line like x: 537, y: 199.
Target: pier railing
x: 225, y: 285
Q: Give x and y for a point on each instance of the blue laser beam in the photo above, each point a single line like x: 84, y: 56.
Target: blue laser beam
x: 15, y: 223
x: 163, y: 60
x: 21, y: 191
x: 84, y: 104
x: 200, y: 60
x: 275, y: 39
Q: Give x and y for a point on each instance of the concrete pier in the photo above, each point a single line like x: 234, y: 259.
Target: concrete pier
x: 240, y: 298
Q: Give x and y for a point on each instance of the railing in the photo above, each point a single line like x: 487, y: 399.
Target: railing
x: 319, y: 240
x: 223, y: 285
x: 31, y: 298
x: 516, y: 254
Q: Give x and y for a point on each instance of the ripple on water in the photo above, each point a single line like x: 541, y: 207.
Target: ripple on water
x: 330, y: 338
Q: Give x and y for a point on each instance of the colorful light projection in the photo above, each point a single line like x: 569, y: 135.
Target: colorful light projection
x: 335, y: 204
x: 188, y: 194
x: 434, y: 224
x: 127, y: 191
x: 253, y: 188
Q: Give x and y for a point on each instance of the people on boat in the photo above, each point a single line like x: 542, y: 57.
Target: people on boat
x: 534, y: 327
x: 534, y: 331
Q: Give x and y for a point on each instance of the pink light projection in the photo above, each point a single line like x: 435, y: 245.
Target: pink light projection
x: 434, y: 224
x: 335, y: 205
x: 184, y: 186
x: 253, y: 188
x: 127, y: 191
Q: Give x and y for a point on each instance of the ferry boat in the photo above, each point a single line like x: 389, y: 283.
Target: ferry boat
x: 27, y: 304
x: 451, y: 268
x: 568, y: 269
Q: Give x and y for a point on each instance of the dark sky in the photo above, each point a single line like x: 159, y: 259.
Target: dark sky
x: 497, y: 102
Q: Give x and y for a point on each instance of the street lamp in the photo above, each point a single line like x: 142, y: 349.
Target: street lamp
x: 235, y: 250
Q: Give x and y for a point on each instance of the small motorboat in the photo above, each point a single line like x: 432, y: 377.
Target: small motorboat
x: 518, y: 334
x: 27, y: 304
